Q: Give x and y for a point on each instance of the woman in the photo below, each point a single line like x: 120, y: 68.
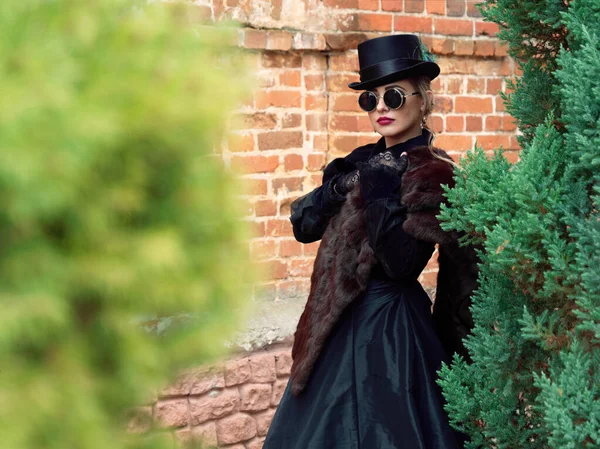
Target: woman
x: 366, y: 351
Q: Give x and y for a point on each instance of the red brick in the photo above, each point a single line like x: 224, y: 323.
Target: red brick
x: 463, y: 47
x: 283, y: 363
x: 312, y: 61
x: 474, y: 123
x: 258, y: 120
x: 392, y: 5
x: 511, y: 156
x: 301, y: 267
x: 291, y: 78
x: 317, y: 102
x: 279, y: 40
x: 500, y: 49
x: 279, y: 140
x: 484, y: 48
x: 265, y: 208
x: 351, y: 123
x: 412, y: 24
x: 316, y: 161
x: 491, y: 142
x: 344, y: 41
x: 263, y: 421
x: 292, y: 184
x: 514, y: 143
x: 442, y: 46
x: 414, y: 5
x: 313, y: 82
x: 310, y: 249
x: 289, y: 248
x: 253, y: 186
x: 453, y: 143
x: 443, y: 103
x: 346, y: 103
x: 273, y: 59
x: 263, y: 367
x: 344, y: 22
x: 486, y: 28
x: 240, y: 142
x: 339, y: 82
x: 263, y: 249
x: 255, y: 397
x: 255, y: 164
x: 428, y: 279
x: 235, y: 428
x: 456, y: 8
x: 435, y: 123
x: 211, y: 407
x: 291, y: 120
x: 346, y: 62
x: 369, y: 5
x: 453, y: 27
x: 293, y: 162
x: 493, y: 123
x: 320, y: 142
x: 254, y: 38
x: 309, y: 41
x: 274, y: 269
x: 436, y: 7
x: 343, y: 4
x: 457, y: 65
x: 473, y: 104
x: 454, y: 85
x: 472, y: 10
x: 493, y: 86
x: 375, y: 22
x: 316, y: 122
x: 278, y: 98
x: 499, y: 104
x: 455, y: 123
x: 476, y: 85
x: 509, y: 123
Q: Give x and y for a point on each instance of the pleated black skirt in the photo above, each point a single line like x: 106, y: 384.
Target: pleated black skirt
x: 374, y: 384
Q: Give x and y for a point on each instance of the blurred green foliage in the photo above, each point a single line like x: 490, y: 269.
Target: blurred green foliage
x: 113, y: 207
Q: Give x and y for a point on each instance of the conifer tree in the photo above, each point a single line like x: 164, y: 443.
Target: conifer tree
x: 114, y: 210
x: 534, y: 379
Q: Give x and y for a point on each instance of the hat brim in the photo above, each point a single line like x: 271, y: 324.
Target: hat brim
x: 431, y: 69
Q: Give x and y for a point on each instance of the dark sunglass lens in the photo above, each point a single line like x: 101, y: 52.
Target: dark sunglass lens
x: 367, y: 101
x: 393, y: 98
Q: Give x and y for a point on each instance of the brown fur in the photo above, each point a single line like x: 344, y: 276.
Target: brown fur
x: 345, y: 258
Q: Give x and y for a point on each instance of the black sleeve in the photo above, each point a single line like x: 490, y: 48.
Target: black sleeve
x: 400, y: 254
x: 310, y: 214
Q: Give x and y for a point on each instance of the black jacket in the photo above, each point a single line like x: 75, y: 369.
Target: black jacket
x: 378, y: 230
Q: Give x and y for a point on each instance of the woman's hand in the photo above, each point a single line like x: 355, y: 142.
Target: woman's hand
x: 381, y: 175
x: 346, y: 182
x: 387, y: 159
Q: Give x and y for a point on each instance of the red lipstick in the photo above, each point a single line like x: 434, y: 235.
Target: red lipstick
x: 384, y: 120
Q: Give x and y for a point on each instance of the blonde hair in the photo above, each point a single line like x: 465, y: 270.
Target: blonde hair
x: 423, y: 84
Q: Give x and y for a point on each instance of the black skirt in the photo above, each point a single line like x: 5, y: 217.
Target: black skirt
x: 374, y: 384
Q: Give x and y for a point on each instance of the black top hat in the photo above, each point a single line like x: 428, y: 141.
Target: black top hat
x: 391, y: 58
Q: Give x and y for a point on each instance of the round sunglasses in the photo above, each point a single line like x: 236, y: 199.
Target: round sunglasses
x: 393, y: 98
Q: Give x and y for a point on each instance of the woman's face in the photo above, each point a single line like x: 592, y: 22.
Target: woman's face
x: 398, y: 125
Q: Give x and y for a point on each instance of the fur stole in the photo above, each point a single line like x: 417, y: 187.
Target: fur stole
x: 344, y: 258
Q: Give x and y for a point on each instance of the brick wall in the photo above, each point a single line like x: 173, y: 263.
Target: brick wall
x: 301, y: 116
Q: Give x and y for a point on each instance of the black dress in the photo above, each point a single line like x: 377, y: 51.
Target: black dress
x: 374, y: 384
